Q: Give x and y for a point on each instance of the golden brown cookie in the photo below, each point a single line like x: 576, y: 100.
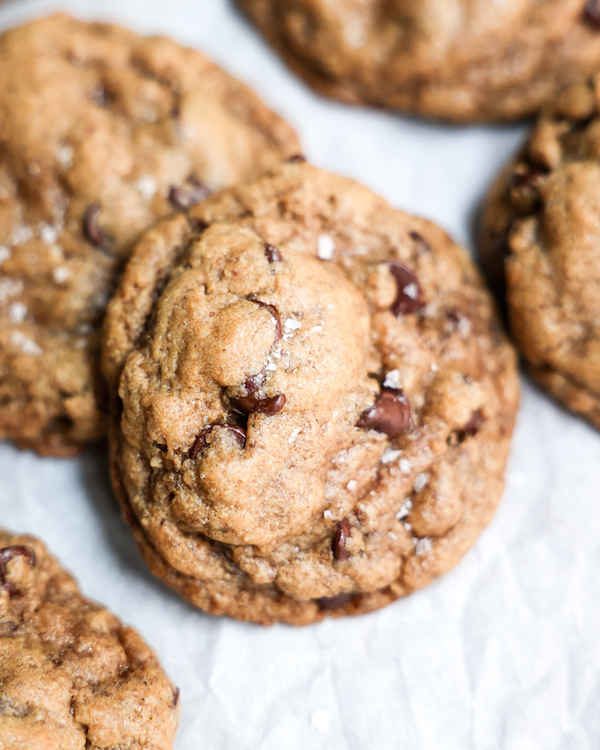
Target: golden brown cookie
x: 461, y: 60
x: 312, y: 400
x: 105, y: 133
x: 541, y: 247
x: 72, y: 675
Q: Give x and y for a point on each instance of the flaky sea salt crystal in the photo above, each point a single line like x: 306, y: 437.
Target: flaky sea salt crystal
x: 352, y: 485
x: 294, y: 434
x: 392, y: 379
x: 405, y: 509
x: 291, y: 325
x: 61, y: 274
x: 423, y: 546
x: 411, y: 290
x: 390, y: 455
x: 405, y: 466
x: 48, y: 234
x: 4, y: 254
x: 327, y: 514
x: 17, y: 312
x: 420, y: 481
x: 24, y: 343
x: 146, y: 186
x: 64, y: 155
x: 325, y: 246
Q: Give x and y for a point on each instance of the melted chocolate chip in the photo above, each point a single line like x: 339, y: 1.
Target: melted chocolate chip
x: 90, y: 226
x: 295, y: 159
x: 186, y: 197
x: 333, y: 602
x: 273, y: 254
x: 338, y: 545
x: 389, y: 414
x: 6, y: 555
x: 420, y: 241
x: 592, y: 12
x: 274, y: 313
x: 201, y: 442
x: 472, y: 427
x: 252, y: 401
x: 408, y: 298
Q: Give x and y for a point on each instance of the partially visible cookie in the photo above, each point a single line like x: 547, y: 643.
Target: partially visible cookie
x: 541, y: 248
x: 105, y: 133
x: 461, y: 60
x: 312, y: 400
x: 72, y: 675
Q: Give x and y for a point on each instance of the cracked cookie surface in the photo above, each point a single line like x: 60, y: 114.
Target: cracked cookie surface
x: 539, y: 245
x: 312, y: 400
x: 106, y: 133
x: 461, y: 60
x: 72, y: 675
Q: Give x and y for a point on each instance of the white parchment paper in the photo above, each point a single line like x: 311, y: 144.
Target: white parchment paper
x: 501, y: 654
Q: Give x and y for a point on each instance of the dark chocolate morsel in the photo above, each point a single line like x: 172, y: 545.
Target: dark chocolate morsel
x: 6, y: 555
x: 338, y: 545
x: 333, y: 602
x: 90, y: 226
x: 175, y: 697
x: 252, y: 403
x: 190, y: 195
x: 201, y: 441
x: 408, y: 298
x: 273, y: 254
x: 389, y: 414
x: 472, y: 427
x: 592, y: 12
x: 296, y: 159
x: 420, y: 242
x: 274, y: 313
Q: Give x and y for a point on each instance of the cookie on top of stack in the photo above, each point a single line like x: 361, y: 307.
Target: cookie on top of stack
x: 311, y: 400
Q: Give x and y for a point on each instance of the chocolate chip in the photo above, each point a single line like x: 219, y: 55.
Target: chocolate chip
x: 296, y: 159
x: 408, y: 298
x: 338, y: 545
x: 274, y: 313
x: 420, y: 241
x: 472, y: 427
x: 273, y: 254
x: 201, y: 442
x: 252, y: 401
x: 90, y: 226
x: 6, y: 555
x: 333, y: 602
x: 175, y: 697
x: 186, y: 197
x: 389, y: 414
x: 592, y: 12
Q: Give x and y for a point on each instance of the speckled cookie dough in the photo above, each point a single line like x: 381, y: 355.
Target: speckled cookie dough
x: 312, y: 400
x: 540, y: 246
x: 71, y: 675
x: 461, y: 60
x: 105, y: 133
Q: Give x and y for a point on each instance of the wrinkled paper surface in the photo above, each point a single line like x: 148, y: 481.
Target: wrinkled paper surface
x: 502, y: 652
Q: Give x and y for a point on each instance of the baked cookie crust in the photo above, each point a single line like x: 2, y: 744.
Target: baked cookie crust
x: 71, y: 674
x: 539, y: 244
x: 312, y: 400
x: 457, y: 60
x: 105, y: 133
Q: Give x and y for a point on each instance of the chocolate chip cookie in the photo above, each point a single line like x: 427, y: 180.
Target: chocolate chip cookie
x: 541, y: 248
x: 71, y: 674
x: 312, y: 400
x: 105, y: 133
x: 461, y: 60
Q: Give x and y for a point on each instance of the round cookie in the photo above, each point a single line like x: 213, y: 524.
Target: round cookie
x: 105, y: 133
x: 312, y: 400
x: 460, y: 60
x: 71, y: 674
x: 541, y: 248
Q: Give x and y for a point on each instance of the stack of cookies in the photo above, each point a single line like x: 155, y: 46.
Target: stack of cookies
x: 309, y: 395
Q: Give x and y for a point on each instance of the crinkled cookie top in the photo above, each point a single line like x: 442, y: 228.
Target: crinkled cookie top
x: 311, y: 398
x: 71, y: 675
